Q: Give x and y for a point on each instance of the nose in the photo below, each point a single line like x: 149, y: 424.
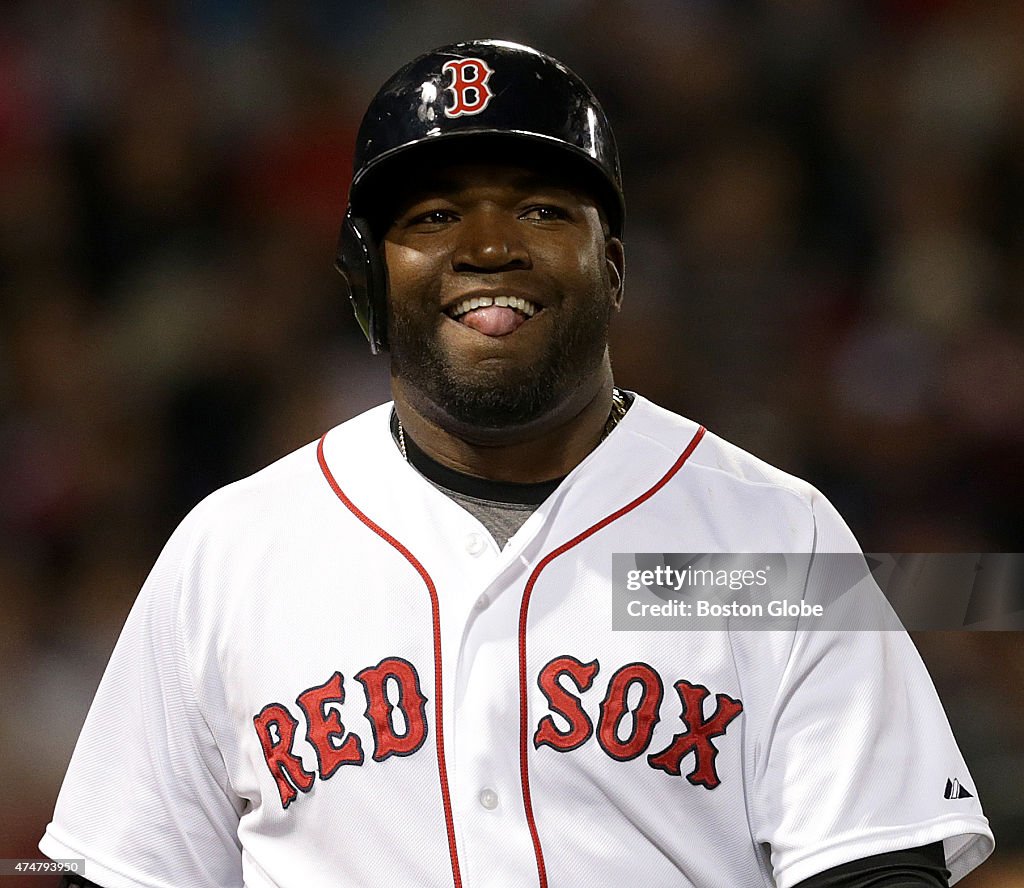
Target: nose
x: 489, y: 241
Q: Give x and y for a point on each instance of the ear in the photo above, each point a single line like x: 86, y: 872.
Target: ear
x: 615, y: 262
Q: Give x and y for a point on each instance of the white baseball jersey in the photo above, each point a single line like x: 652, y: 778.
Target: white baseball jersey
x: 333, y: 676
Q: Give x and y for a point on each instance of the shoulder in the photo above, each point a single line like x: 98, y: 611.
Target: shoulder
x: 293, y: 491
x: 246, y: 541
x: 732, y: 481
x: 713, y: 457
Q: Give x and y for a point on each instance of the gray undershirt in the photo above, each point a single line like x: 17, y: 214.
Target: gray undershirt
x: 502, y: 520
x: 501, y: 517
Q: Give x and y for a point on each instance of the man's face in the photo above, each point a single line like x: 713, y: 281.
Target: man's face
x: 502, y: 283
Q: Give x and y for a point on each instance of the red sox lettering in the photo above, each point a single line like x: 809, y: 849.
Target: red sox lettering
x: 696, y: 738
x: 335, y: 745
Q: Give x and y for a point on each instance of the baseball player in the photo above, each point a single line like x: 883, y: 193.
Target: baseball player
x: 387, y: 659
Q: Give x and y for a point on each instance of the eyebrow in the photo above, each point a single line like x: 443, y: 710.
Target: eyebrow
x: 406, y: 192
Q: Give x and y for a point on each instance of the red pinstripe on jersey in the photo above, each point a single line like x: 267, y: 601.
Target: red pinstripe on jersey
x: 524, y: 745
x: 435, y: 610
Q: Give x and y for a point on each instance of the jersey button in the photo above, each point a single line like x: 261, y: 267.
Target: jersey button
x: 475, y: 543
x: 482, y: 602
x: 488, y: 799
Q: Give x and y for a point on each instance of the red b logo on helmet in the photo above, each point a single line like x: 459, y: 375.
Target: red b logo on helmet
x: 468, y: 86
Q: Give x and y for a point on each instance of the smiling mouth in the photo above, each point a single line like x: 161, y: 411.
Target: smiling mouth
x: 494, y: 315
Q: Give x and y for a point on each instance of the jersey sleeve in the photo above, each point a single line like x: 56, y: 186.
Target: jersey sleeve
x: 146, y: 800
x: 856, y: 754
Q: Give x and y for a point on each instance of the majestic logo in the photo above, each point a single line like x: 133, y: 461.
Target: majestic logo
x: 642, y: 718
x: 955, y: 791
x: 468, y: 86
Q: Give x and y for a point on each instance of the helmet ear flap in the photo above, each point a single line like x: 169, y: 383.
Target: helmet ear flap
x: 362, y: 268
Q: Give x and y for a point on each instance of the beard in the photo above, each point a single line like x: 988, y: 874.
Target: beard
x: 498, y: 399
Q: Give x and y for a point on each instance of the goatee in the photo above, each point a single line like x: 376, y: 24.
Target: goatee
x: 498, y: 400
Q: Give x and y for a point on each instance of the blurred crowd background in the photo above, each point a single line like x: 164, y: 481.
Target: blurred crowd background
x: 825, y: 264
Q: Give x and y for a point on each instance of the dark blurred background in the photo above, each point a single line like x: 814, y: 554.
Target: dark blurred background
x: 825, y: 244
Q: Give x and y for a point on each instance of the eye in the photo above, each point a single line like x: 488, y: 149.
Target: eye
x: 544, y: 213
x: 433, y: 217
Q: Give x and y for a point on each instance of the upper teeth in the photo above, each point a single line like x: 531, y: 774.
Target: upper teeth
x: 516, y: 302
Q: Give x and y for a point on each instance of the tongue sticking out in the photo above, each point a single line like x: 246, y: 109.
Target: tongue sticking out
x: 493, y: 320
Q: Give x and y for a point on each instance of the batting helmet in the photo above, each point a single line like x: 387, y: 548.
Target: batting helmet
x: 510, y: 94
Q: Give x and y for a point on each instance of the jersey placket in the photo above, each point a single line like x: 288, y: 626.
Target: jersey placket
x: 482, y: 717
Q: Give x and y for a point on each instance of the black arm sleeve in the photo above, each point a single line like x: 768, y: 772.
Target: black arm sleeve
x: 923, y: 867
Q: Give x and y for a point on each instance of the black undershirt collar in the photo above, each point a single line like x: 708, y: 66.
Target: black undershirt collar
x: 469, y: 485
